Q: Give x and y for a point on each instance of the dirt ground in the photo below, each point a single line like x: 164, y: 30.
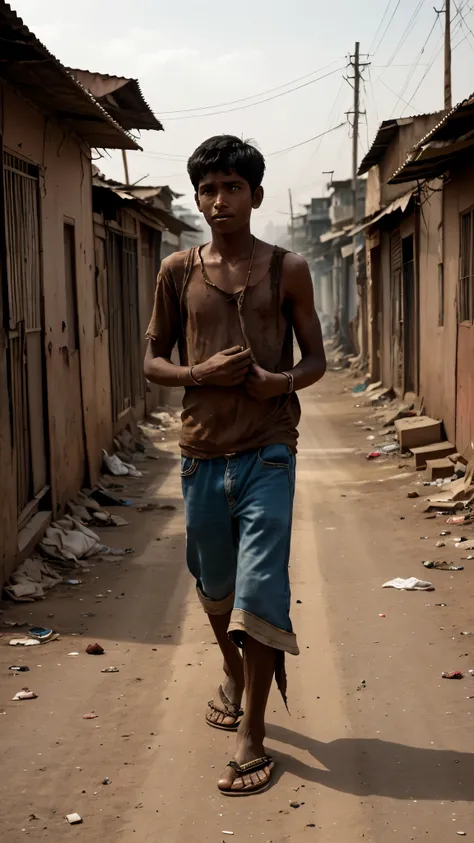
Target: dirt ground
x: 393, y: 761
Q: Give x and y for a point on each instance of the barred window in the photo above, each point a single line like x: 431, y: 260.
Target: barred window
x: 466, y: 268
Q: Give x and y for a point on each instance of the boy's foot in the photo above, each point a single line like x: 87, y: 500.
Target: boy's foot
x: 249, y: 773
x: 223, y: 712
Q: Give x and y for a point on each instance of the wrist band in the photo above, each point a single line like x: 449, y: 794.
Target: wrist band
x: 291, y: 387
x: 198, y: 383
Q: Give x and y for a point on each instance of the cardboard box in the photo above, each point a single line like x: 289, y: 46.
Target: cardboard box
x: 417, y: 431
x: 436, y: 451
x: 438, y: 469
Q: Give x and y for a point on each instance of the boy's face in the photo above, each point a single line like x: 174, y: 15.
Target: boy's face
x: 226, y: 201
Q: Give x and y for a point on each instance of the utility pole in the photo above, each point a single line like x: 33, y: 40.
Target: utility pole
x: 355, y: 132
x: 125, y: 166
x: 448, y: 99
x: 292, y: 218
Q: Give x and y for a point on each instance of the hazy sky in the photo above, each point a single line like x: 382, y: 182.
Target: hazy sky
x: 189, y: 54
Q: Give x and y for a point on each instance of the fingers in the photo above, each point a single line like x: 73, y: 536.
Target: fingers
x: 234, y: 350
x: 237, y: 353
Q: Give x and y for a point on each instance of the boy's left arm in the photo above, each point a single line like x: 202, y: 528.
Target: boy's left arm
x: 298, y: 291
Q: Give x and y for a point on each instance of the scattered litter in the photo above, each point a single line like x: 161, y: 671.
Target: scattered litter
x: 25, y: 694
x: 409, y: 584
x: 413, y: 495
x: 23, y: 642
x: 73, y: 582
x: 73, y: 654
x: 109, y: 781
x: 294, y: 804
x: 362, y: 686
x: 117, y: 467
x: 466, y: 633
x: 110, y: 670
x: 441, y: 605
x: 443, y: 566
x: 465, y: 544
x: 440, y: 544
x: 41, y: 633
x: 374, y: 455
x: 461, y: 833
x: 73, y: 819
x: 31, y: 580
x: 228, y: 832
x: 382, y: 615
x: 370, y: 438
x: 19, y: 668
x: 360, y: 387
x: 95, y: 650
x: 88, y: 615
x: 90, y: 716
x: 456, y: 674
x: 390, y: 449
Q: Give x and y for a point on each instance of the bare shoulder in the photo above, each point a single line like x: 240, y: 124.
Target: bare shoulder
x: 296, y: 276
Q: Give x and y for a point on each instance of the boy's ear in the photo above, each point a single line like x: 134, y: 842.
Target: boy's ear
x: 257, y: 197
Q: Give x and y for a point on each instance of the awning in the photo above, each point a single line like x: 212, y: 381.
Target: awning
x: 333, y: 235
x: 347, y: 251
x: 41, y: 79
x: 431, y: 157
x: 401, y: 204
x: 121, y: 97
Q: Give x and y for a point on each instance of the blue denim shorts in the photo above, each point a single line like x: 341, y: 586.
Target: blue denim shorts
x: 238, y: 532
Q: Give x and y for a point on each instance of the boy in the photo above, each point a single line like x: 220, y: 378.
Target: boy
x: 232, y: 306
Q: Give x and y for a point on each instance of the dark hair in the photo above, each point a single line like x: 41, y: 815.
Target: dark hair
x: 226, y: 153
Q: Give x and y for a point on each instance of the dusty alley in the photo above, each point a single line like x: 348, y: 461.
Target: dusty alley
x: 389, y: 761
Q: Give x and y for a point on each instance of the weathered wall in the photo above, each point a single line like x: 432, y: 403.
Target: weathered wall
x: 8, y: 517
x: 386, y: 374
x: 103, y: 390
x: 458, y: 198
x: 397, y: 152
x: 65, y: 193
x: 437, y: 342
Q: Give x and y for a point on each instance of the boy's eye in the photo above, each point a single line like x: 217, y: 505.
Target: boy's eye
x: 234, y: 187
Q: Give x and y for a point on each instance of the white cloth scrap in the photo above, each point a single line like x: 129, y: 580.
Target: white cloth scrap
x: 409, y: 584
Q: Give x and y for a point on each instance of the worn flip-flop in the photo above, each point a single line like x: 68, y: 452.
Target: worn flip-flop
x: 227, y: 709
x: 245, y: 770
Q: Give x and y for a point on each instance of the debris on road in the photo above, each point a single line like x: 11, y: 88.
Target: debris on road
x: 95, y: 650
x: 31, y: 580
x: 109, y: 781
x: 443, y: 566
x: 295, y: 804
x: 109, y: 670
x: 74, y: 819
x: 413, y: 495
x: 25, y: 694
x: 90, y: 716
x: 19, y: 668
x: 455, y: 674
x: 409, y: 584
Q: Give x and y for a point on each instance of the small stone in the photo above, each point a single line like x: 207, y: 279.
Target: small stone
x: 294, y: 804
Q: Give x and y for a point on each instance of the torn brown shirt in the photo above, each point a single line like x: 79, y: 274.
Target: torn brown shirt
x: 204, y: 320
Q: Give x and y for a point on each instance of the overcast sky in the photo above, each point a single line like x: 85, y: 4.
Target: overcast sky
x: 189, y: 54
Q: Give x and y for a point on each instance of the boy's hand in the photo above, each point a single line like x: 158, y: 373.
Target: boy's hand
x: 264, y: 385
x: 226, y: 368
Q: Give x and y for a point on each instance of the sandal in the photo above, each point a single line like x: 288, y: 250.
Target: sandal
x: 244, y: 770
x: 227, y: 709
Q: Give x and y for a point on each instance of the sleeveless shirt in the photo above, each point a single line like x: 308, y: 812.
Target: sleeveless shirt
x: 203, y: 320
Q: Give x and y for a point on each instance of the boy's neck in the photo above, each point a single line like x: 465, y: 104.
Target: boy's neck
x: 233, y: 246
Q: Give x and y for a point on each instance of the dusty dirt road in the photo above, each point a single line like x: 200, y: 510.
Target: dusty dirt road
x: 393, y: 761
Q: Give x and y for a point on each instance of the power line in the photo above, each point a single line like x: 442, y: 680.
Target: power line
x: 415, y: 65
x: 405, y: 34
x: 308, y: 140
x: 259, y: 102
x: 253, y: 96
x: 380, y: 25
x: 463, y: 19
x: 386, y: 28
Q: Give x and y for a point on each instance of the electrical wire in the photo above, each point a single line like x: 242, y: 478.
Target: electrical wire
x: 387, y: 28
x: 411, y: 72
x: 463, y: 19
x: 308, y: 140
x: 259, y: 102
x: 253, y: 96
x: 380, y: 25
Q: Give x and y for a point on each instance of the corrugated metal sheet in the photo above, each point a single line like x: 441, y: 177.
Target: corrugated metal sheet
x: 431, y: 156
x: 28, y: 66
x: 121, y: 98
x: 387, y: 131
x: 400, y: 204
x: 165, y: 219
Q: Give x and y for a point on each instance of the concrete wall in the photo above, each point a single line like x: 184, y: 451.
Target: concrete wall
x: 65, y: 196
x: 397, y: 152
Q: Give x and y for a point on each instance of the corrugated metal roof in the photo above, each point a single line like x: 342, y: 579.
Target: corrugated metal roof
x: 431, y: 156
x: 167, y: 219
x: 28, y: 66
x: 121, y: 97
x: 386, y: 133
x: 400, y: 204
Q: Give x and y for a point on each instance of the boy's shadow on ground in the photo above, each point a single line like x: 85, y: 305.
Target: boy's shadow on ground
x: 368, y: 766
